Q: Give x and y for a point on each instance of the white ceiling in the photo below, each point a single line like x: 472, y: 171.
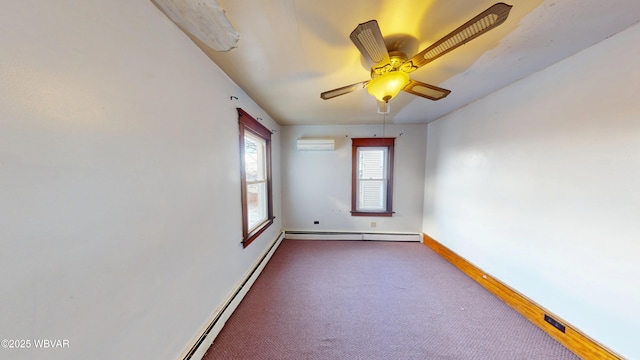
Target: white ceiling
x: 292, y: 50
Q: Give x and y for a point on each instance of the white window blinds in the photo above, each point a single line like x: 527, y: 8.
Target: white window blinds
x: 372, y: 180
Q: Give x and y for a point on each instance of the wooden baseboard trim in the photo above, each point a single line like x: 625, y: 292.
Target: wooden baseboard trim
x: 573, y: 339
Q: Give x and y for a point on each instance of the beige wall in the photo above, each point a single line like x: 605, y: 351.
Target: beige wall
x: 120, y: 220
x: 317, y: 184
x: 537, y: 184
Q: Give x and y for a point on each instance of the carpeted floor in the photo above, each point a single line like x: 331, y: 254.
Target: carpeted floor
x: 374, y: 300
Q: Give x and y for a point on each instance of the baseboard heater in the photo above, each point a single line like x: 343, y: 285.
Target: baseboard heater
x: 205, y: 340
x: 337, y: 235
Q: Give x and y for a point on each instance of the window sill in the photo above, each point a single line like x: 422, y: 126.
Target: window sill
x: 256, y: 232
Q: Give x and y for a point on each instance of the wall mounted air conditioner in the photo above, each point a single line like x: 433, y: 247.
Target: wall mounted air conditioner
x: 325, y: 144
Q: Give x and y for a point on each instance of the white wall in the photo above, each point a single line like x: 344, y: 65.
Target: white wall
x: 120, y: 219
x: 538, y: 185
x: 318, y: 183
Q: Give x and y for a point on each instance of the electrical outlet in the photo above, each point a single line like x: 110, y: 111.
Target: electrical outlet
x: 554, y: 322
x: 316, y: 222
x: 373, y: 224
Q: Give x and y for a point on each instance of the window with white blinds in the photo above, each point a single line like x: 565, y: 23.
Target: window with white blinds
x: 372, y: 179
x: 372, y: 176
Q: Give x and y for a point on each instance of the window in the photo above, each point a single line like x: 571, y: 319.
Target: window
x: 372, y: 177
x: 255, y: 171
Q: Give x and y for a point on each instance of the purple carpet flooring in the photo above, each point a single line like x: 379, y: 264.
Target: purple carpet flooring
x: 374, y: 300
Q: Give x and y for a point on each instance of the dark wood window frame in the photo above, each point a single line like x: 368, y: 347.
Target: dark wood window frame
x: 248, y: 124
x: 371, y: 142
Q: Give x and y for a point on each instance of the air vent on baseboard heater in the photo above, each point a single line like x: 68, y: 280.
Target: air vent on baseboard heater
x: 324, y: 144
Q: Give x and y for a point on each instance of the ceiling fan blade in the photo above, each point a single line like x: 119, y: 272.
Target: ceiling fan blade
x: 368, y: 39
x: 426, y: 91
x: 482, y: 23
x: 343, y: 90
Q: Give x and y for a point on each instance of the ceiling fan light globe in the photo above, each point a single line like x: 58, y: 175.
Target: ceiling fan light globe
x: 385, y: 87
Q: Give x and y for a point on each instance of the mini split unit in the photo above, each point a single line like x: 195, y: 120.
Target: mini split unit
x: 325, y: 144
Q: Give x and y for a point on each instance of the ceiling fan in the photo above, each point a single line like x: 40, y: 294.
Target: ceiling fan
x: 390, y: 69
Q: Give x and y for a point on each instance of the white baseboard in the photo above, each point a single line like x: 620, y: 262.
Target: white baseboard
x: 392, y: 237
x: 201, y: 344
x: 329, y: 235
x: 318, y: 236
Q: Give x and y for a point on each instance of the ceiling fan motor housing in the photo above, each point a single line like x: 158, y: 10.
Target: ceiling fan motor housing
x: 397, y: 62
